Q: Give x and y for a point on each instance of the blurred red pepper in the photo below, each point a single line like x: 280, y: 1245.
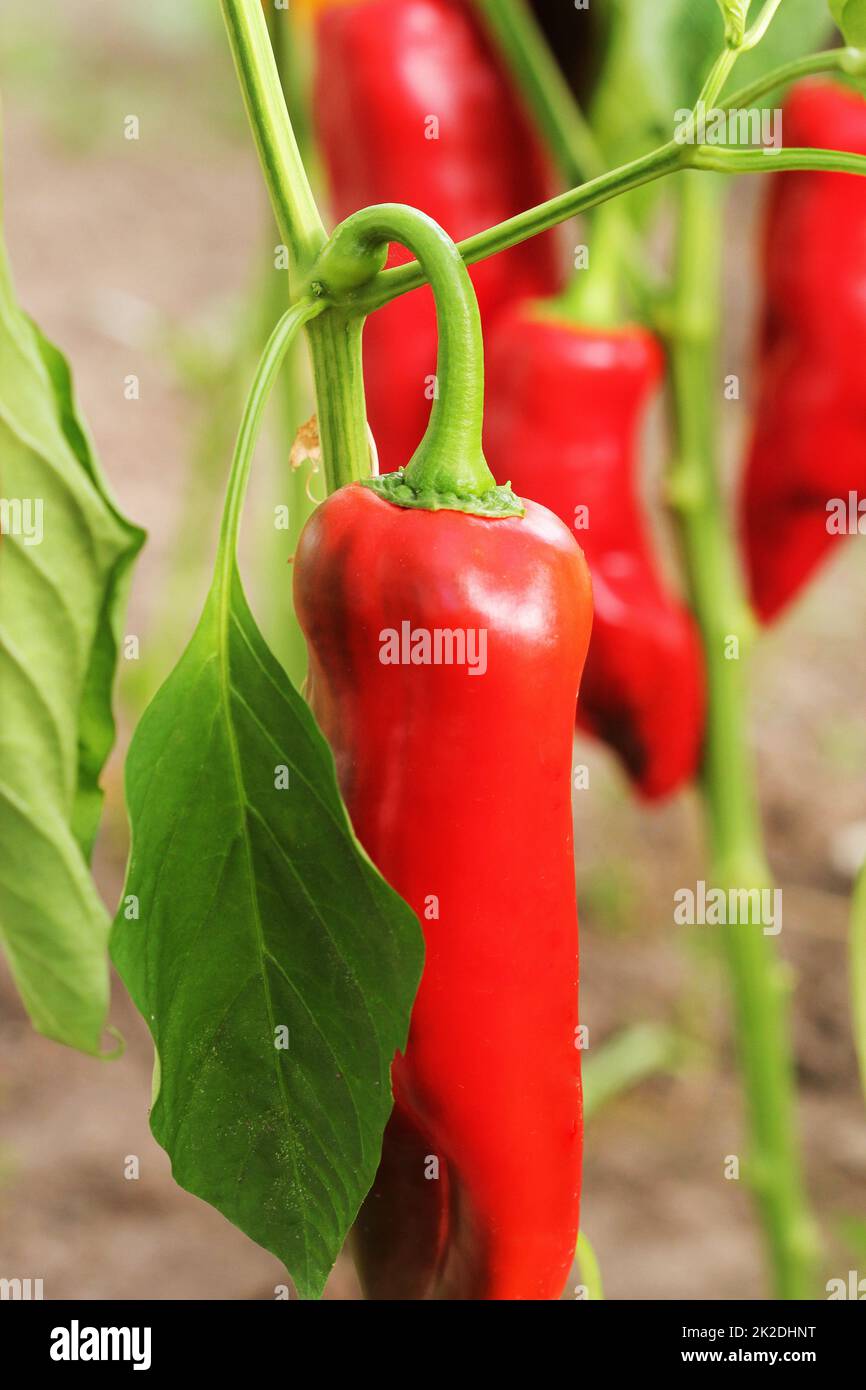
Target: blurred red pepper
x: 456, y: 772
x: 564, y: 406
x: 809, y: 443
x: 412, y: 107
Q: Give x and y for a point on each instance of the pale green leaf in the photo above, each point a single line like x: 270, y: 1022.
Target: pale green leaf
x: 64, y: 570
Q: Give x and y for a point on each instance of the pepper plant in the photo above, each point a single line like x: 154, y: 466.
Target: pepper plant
x: 285, y: 856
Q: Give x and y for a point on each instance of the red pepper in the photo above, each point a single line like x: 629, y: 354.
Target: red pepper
x: 411, y: 106
x: 809, y: 441
x: 564, y: 405
x: 454, y: 761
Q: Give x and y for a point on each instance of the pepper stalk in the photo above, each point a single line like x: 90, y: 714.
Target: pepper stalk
x: 448, y: 469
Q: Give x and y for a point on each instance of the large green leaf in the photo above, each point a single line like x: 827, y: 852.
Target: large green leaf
x: 259, y: 910
x: 96, y: 727
x: 62, y: 592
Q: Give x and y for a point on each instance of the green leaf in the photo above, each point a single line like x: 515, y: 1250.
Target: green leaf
x: 850, y: 16
x: 259, y: 910
x: 858, y: 971
x: 96, y: 727
x: 64, y: 570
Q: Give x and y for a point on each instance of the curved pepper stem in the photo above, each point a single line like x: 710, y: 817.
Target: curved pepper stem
x: 448, y: 469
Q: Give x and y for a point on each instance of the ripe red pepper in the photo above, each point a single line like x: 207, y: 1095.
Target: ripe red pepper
x: 457, y: 781
x: 411, y: 106
x: 809, y: 441
x: 564, y: 406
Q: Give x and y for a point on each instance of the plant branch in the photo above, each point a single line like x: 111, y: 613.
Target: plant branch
x: 292, y: 198
x: 334, y: 338
x: 655, y: 165
x: 266, y: 374
x: 723, y: 160
x: 667, y: 159
x: 275, y: 605
x: 758, y: 982
x: 718, y: 76
x: 847, y: 60
x: 761, y: 25
x: 335, y: 348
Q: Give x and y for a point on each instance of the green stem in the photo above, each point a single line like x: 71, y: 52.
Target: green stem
x: 667, y: 159
x: 292, y: 62
x: 288, y: 485
x: 758, y: 981
x: 738, y: 38
x: 761, y: 25
x: 718, y: 76
x: 655, y: 165
x: 294, y: 205
x: 275, y: 602
x: 335, y: 349
x: 539, y: 77
x: 335, y: 339
x: 266, y: 374
x: 848, y: 60
x: 728, y: 161
x: 448, y: 468
x: 335, y: 343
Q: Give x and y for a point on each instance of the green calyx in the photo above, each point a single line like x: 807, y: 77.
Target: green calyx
x: 396, y: 488
x: 448, y: 470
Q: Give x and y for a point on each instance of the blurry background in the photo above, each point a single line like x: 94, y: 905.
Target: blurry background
x: 144, y: 257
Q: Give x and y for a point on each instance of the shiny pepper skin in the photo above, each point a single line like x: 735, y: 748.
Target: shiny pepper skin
x: 458, y: 786
x: 809, y: 441
x: 564, y: 406
x: 410, y: 106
